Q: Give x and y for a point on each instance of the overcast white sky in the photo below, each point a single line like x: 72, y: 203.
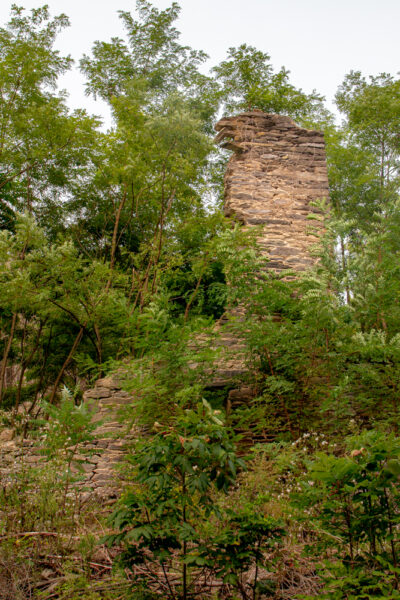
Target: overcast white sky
x: 319, y: 41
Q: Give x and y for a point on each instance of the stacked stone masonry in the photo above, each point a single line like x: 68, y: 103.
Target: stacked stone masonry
x: 276, y: 171
x: 103, y: 454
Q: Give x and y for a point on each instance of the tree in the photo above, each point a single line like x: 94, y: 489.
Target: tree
x: 42, y: 145
x: 354, y: 499
x: 373, y: 116
x: 147, y: 182
x: 152, y: 58
x: 353, y: 180
x: 151, y: 173
x: 247, y: 81
x: 53, y: 302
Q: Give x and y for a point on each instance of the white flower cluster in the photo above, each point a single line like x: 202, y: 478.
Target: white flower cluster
x: 313, y: 439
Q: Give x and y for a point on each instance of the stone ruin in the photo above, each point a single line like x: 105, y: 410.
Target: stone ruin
x: 275, y: 172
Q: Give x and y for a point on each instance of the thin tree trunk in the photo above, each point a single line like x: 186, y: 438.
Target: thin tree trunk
x: 28, y: 191
x: 66, y: 363
x: 344, y: 267
x: 98, y: 343
x: 392, y: 544
x: 114, y: 239
x: 25, y: 364
x: 153, y: 260
x: 193, y: 296
x: 184, y: 581
x: 382, y: 174
x: 160, y: 240
x: 5, y: 355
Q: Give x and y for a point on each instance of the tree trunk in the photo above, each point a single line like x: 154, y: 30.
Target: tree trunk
x: 5, y: 355
x: 66, y: 363
x: 114, y: 239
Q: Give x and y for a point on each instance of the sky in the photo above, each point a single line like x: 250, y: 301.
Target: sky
x: 319, y: 41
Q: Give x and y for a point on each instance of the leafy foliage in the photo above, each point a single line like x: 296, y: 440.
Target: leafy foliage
x: 248, y: 81
x: 355, y: 501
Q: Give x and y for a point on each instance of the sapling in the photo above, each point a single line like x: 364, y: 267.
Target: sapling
x: 70, y: 427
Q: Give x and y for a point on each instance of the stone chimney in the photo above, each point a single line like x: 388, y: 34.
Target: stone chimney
x: 276, y: 170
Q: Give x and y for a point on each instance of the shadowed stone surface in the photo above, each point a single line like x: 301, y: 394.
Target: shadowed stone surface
x: 104, y: 453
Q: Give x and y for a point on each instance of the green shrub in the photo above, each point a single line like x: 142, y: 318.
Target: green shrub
x: 354, y: 502
x: 163, y: 519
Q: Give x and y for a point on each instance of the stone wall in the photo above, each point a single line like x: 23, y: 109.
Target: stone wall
x: 112, y: 437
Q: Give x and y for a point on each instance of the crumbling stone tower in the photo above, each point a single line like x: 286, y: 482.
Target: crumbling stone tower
x: 276, y: 171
